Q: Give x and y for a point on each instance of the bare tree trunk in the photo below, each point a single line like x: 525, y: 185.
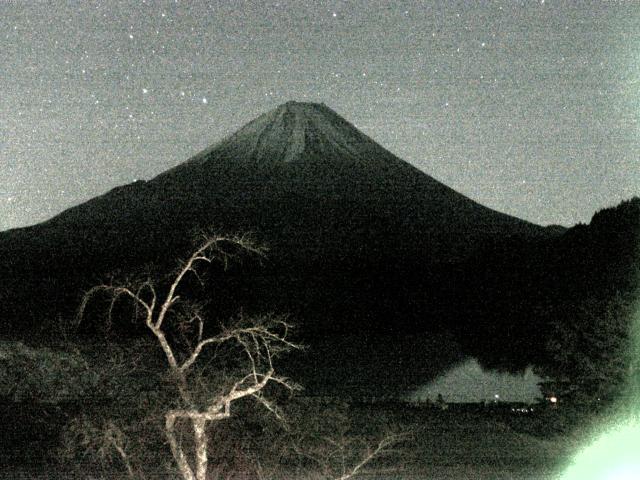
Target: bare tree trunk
x: 125, y: 460
x: 176, y: 449
x: 199, y: 429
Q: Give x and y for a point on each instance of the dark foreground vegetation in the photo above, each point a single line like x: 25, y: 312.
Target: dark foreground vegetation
x: 146, y: 382
x: 442, y: 444
x: 551, y: 302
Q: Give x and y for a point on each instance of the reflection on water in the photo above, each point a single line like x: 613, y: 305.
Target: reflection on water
x: 468, y: 382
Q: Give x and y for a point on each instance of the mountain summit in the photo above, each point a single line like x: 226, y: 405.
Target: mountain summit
x: 292, y: 132
x: 303, y: 179
x: 303, y: 171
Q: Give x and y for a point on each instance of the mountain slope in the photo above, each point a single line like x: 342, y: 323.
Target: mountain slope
x: 360, y: 242
x: 301, y: 174
x: 303, y: 179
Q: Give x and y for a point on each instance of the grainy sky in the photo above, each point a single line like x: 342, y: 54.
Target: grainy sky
x: 531, y: 108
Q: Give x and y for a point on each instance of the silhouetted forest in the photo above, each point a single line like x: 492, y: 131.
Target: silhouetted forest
x: 373, y: 308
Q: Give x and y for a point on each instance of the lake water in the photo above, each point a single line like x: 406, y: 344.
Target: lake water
x: 468, y: 382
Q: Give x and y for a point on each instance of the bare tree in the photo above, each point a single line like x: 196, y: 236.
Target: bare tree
x: 343, y: 458
x: 259, y: 339
x: 336, y: 448
x: 105, y: 441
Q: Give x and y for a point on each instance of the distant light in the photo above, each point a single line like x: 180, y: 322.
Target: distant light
x: 553, y: 399
x: 497, y: 396
x: 204, y: 100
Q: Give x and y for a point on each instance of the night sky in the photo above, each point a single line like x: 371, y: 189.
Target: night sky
x: 530, y: 108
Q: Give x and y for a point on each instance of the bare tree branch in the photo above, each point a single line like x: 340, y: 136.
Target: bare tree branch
x: 383, y: 445
x: 260, y: 340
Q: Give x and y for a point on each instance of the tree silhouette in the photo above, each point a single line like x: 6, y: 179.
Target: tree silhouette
x: 259, y: 339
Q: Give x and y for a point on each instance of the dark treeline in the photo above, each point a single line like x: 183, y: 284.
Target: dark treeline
x: 365, y: 303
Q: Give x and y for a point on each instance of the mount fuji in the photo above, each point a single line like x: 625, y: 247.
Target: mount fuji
x: 360, y: 242
x: 300, y: 177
